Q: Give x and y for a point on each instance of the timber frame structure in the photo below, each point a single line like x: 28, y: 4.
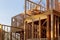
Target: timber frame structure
x: 37, y: 22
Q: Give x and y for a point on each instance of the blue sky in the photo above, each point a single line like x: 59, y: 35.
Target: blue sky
x: 10, y: 8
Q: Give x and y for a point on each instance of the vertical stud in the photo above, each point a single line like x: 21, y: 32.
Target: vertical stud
x: 51, y: 26
x: 32, y: 29
x: 58, y: 27
x: 39, y: 29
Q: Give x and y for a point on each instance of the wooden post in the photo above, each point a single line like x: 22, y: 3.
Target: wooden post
x: 24, y: 20
x: 24, y: 30
x: 10, y: 35
x: 48, y: 28
x: 39, y: 29
x: 51, y: 26
x: 15, y: 36
x: 11, y: 29
x: 56, y: 5
x: 0, y: 34
x: 47, y: 3
x: 1, y: 31
x: 58, y: 27
x: 32, y: 29
x: 55, y: 27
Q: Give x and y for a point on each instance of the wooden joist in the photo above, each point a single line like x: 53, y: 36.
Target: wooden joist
x: 36, y: 17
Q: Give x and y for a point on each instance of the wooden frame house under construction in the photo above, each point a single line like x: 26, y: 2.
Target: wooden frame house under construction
x: 37, y: 22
